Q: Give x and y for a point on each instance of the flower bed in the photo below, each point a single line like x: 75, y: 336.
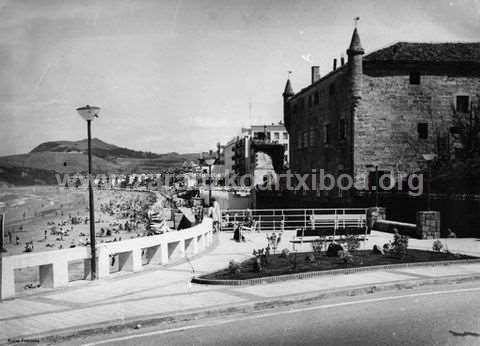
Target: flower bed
x: 298, y: 263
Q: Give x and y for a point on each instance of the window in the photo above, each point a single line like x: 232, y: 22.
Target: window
x: 302, y: 104
x: 276, y: 135
x: 342, y: 130
x: 331, y: 90
x: 316, y: 98
x: 326, y: 134
x: 285, y: 135
x: 414, y: 77
x: 312, y: 137
x: 305, y: 139
x: 299, y: 141
x: 462, y: 103
x: 422, y: 130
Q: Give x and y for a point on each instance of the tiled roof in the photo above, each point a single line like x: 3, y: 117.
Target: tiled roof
x: 429, y: 52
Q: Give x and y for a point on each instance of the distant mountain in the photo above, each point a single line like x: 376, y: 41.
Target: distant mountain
x: 71, y: 157
x: 99, y: 148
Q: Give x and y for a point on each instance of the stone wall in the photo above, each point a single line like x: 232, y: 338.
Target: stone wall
x: 390, y: 109
x: 334, y: 103
x: 428, y: 224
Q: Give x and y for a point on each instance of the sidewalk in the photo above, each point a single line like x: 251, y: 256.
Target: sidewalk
x: 167, y: 290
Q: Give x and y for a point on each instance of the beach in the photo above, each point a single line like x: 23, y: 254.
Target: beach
x: 46, y: 218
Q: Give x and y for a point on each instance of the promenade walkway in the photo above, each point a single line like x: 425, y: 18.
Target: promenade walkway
x: 167, y: 291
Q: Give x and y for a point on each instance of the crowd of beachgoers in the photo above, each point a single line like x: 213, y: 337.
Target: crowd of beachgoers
x: 47, y: 218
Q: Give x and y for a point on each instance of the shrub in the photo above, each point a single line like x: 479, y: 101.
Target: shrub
x: 310, y: 258
x: 285, y: 252
x: 346, y: 256
x: 399, y: 246
x: 437, y: 246
x: 317, y: 246
x: 233, y: 267
x: 333, y: 248
x: 352, y: 242
x: 257, y: 264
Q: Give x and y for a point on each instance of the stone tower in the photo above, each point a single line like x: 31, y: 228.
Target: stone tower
x: 355, y: 53
x: 287, y: 93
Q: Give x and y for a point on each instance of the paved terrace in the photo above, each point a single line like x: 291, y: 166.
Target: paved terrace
x: 167, y: 290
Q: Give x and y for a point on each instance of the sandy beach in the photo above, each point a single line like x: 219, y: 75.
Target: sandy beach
x: 45, y: 218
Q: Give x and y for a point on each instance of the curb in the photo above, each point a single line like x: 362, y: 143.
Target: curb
x: 314, y: 274
x: 242, y: 308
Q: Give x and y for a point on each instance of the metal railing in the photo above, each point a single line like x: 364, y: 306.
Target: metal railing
x: 279, y: 219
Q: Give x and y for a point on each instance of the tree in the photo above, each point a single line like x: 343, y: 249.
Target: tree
x: 458, y: 165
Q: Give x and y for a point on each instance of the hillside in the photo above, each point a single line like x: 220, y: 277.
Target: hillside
x: 71, y: 157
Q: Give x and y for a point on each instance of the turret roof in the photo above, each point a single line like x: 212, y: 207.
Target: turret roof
x: 355, y: 44
x: 288, y: 89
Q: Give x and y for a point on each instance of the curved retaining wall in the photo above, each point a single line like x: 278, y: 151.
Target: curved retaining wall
x: 160, y: 249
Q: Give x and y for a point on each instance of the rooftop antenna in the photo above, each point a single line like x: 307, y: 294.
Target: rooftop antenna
x: 355, y: 21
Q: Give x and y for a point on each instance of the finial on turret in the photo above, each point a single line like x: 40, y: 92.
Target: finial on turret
x: 355, y: 45
x: 355, y: 21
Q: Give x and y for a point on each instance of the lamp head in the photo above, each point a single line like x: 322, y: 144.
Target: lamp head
x: 210, y: 161
x: 429, y: 157
x: 88, y: 112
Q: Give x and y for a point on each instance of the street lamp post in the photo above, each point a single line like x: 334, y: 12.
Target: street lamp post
x: 210, y: 163
x: 2, y: 232
x: 429, y: 158
x: 89, y: 113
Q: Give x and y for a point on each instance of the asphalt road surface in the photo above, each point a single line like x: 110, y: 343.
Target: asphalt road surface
x: 441, y: 315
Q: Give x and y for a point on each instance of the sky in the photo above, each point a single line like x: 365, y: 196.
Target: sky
x: 183, y: 75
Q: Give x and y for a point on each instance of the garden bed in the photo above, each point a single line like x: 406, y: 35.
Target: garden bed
x: 278, y: 265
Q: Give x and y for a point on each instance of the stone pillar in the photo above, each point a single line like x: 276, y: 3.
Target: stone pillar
x: 103, y: 262
x: 7, y: 280
x: 374, y: 214
x: 59, y: 274
x: 164, y: 253
x: 428, y: 224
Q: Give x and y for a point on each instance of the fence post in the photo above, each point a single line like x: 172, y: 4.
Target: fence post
x: 335, y: 225
x: 273, y: 219
x: 304, y: 218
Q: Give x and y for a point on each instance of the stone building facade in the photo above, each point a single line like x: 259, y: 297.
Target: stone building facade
x: 383, y: 109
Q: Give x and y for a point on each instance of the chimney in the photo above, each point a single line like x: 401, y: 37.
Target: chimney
x: 342, y: 60
x: 315, y: 73
x: 334, y: 64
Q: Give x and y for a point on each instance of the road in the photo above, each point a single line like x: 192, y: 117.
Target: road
x: 440, y: 315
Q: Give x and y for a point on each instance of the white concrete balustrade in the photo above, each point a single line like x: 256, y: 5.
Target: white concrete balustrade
x: 158, y: 249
